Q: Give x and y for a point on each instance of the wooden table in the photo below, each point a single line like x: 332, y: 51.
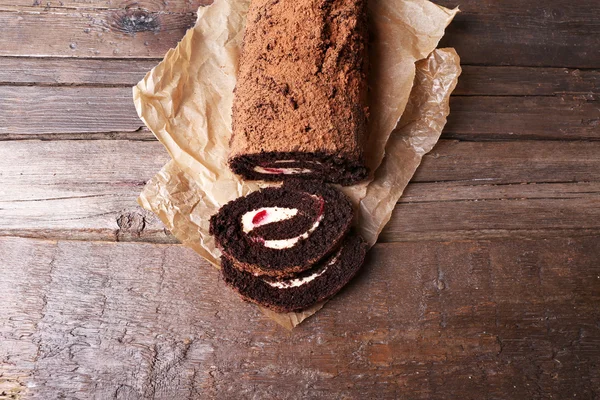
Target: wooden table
x: 486, y: 283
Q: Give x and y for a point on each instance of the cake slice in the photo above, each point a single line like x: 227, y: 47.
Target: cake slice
x: 305, y: 289
x: 282, y: 231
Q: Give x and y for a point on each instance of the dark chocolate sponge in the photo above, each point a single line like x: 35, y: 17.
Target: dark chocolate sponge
x: 323, y: 166
x: 301, y: 97
x: 322, y: 217
x: 332, y: 274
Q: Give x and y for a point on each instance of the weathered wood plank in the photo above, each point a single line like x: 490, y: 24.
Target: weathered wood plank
x: 139, y: 134
x: 186, y: 6
x: 511, y: 162
x: 447, y: 191
x: 561, y: 117
x: 552, y: 33
x: 79, y: 189
x: 121, y: 33
x: 42, y: 110
x: 523, y: 81
x: 73, y: 71
x: 450, y: 210
x: 503, y: 319
x: 89, y: 192
x: 480, y: 218
x: 110, y: 109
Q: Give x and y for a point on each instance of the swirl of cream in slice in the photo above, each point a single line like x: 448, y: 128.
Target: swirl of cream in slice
x: 267, y: 215
x: 292, y: 283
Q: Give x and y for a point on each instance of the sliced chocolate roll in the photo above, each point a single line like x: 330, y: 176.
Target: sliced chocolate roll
x: 300, y: 100
x: 305, y: 289
x: 282, y: 231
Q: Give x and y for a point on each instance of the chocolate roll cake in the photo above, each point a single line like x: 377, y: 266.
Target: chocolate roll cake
x: 300, y: 100
x: 282, y: 231
x: 305, y: 289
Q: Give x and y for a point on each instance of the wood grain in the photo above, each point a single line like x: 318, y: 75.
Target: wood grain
x: 102, y: 110
x: 560, y: 117
x: 79, y: 189
x: 502, y: 319
x: 511, y: 162
x: 520, y: 81
x: 72, y: 71
x: 552, y: 33
x: 41, y: 110
x: 89, y: 191
x: 462, y: 210
x: 127, y: 33
x: 187, y: 6
x: 570, y: 210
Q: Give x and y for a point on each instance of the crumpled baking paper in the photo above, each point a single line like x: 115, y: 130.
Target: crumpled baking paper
x: 186, y: 101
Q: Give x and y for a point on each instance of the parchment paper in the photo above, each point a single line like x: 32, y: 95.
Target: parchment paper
x: 186, y: 101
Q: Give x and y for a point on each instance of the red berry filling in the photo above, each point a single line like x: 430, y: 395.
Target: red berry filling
x: 259, y: 217
x: 273, y: 170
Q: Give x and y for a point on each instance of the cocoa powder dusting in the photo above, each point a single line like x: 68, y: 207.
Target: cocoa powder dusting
x: 301, y: 84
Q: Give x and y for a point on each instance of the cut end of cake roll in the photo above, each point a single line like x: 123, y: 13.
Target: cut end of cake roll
x: 305, y: 289
x: 280, y: 166
x: 282, y: 231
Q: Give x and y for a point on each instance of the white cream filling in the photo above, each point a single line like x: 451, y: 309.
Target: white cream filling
x: 293, y: 161
x: 297, y: 282
x: 302, y: 281
x: 291, y: 242
x: 277, y: 214
x: 284, y: 171
x: 273, y: 214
